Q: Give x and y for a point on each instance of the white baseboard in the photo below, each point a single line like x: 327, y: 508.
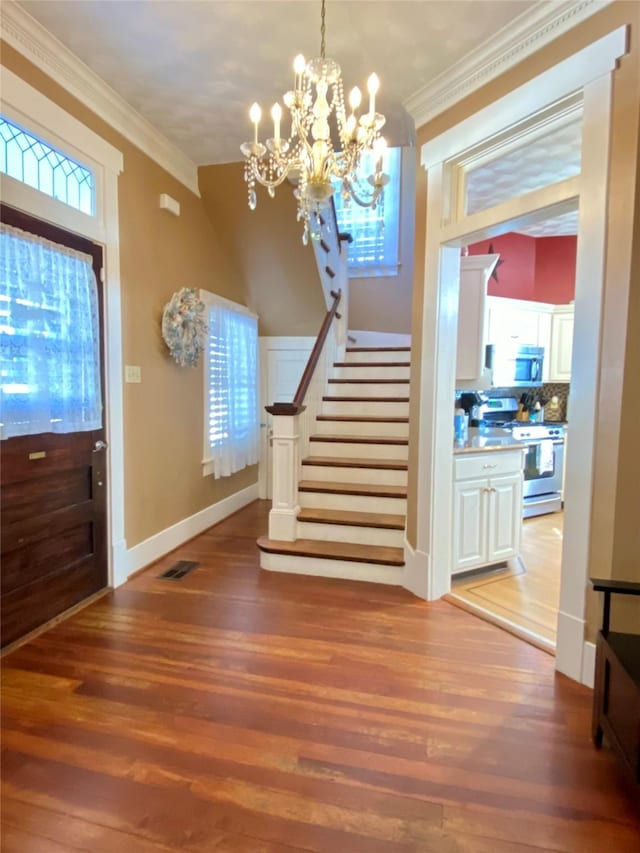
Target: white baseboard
x: 416, y: 571
x: 588, y: 664
x: 570, y: 645
x: 166, y: 540
x: 119, y: 563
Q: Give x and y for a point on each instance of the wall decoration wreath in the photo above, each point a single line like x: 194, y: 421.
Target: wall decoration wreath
x: 184, y: 328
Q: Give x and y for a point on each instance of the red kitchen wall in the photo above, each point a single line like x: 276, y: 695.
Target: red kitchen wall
x: 555, y: 276
x: 516, y: 273
x: 541, y: 269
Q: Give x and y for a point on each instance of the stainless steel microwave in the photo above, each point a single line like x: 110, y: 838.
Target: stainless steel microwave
x: 515, y: 365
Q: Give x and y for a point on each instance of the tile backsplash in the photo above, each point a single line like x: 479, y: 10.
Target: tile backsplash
x: 544, y: 392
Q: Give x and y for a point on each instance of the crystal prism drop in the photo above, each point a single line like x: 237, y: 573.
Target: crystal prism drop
x: 272, y: 192
x: 253, y: 201
x: 305, y: 235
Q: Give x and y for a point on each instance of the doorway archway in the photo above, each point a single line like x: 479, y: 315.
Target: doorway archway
x: 449, y: 227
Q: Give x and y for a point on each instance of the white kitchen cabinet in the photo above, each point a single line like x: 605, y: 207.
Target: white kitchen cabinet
x: 487, y: 512
x: 474, y: 275
x: 516, y: 321
x: 561, y: 344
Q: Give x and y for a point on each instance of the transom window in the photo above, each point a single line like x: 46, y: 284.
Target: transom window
x: 34, y: 162
x: 374, y: 230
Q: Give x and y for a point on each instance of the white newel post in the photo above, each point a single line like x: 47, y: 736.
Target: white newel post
x: 286, y: 460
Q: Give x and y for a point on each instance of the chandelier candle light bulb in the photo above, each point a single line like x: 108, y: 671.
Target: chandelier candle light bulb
x: 276, y: 115
x: 255, y: 113
x: 373, y: 84
x: 308, y: 156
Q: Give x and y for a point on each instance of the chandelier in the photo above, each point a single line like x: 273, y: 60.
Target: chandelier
x: 307, y: 157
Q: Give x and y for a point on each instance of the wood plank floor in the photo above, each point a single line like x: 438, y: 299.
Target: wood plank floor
x: 526, y: 595
x: 239, y: 710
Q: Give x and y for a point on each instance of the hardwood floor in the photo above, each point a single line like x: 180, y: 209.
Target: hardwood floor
x: 238, y: 710
x: 527, y: 595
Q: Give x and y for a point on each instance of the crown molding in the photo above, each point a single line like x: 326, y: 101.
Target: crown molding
x: 525, y: 35
x: 47, y: 53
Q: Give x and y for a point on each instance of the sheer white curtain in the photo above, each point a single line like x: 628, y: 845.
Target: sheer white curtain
x: 49, y: 337
x: 231, y: 383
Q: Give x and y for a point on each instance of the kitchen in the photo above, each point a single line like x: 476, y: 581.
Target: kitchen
x: 513, y: 372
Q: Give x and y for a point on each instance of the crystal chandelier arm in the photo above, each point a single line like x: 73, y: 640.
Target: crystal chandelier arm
x: 263, y: 180
x: 360, y: 200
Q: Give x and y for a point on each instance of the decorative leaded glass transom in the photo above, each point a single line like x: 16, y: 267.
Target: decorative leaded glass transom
x: 32, y: 161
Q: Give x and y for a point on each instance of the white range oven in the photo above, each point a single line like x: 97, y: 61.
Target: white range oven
x: 543, y: 464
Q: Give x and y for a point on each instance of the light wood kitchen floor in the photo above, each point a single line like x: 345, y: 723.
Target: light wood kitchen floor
x: 525, y: 597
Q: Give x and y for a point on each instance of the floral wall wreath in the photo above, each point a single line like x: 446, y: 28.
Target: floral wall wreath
x: 184, y: 328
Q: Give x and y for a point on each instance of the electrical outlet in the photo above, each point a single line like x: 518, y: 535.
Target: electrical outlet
x: 132, y: 373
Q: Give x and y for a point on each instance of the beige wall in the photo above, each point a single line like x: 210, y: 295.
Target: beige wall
x: 279, y: 273
x: 383, y: 303
x: 159, y: 255
x: 614, y: 526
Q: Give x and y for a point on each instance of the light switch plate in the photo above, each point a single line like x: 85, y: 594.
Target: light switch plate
x: 132, y: 373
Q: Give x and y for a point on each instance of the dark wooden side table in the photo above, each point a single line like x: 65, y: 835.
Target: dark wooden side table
x: 616, y: 701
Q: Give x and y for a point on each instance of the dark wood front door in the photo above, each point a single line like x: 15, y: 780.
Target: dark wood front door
x: 53, y: 493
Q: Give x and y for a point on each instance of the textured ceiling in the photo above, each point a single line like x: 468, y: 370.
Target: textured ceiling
x: 558, y: 226
x: 193, y: 68
x: 531, y: 166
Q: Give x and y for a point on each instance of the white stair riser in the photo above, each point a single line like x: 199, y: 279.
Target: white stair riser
x: 353, y: 503
x: 377, y: 356
x: 358, y: 407
x: 372, y: 373
x: 358, y: 451
x: 337, y: 474
x: 394, y: 430
x: 350, y: 533
x: 332, y: 568
x: 368, y: 389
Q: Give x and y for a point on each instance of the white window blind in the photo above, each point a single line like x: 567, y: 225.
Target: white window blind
x: 231, y: 429
x: 49, y: 337
x: 375, y: 231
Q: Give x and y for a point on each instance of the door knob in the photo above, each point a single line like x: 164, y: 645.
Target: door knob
x: 101, y: 445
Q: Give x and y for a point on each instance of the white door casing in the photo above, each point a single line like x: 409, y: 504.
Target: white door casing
x: 38, y: 114
x: 589, y: 70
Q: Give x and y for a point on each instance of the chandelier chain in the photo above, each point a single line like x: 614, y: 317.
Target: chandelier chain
x: 322, y: 31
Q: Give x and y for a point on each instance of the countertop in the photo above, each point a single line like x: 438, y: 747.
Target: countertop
x: 488, y: 439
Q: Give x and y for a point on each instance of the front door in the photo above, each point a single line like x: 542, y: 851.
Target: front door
x: 53, y: 488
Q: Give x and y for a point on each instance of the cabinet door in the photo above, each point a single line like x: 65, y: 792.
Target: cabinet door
x: 469, y: 524
x: 561, y: 347
x: 518, y: 322
x: 504, y: 517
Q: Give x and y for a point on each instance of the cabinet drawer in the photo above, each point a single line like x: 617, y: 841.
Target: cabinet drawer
x: 475, y: 465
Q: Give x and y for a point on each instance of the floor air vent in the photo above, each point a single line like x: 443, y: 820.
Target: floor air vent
x: 179, y: 570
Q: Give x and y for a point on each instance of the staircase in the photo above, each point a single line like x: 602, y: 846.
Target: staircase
x: 353, y: 488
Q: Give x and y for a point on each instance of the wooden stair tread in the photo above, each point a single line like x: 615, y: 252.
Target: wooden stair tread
x: 378, y: 349
x: 332, y: 399
x: 360, y: 439
x: 372, y: 364
x: 351, y: 462
x: 366, y: 489
x: 380, y: 520
x: 378, y: 554
x: 369, y: 419
x: 369, y: 381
